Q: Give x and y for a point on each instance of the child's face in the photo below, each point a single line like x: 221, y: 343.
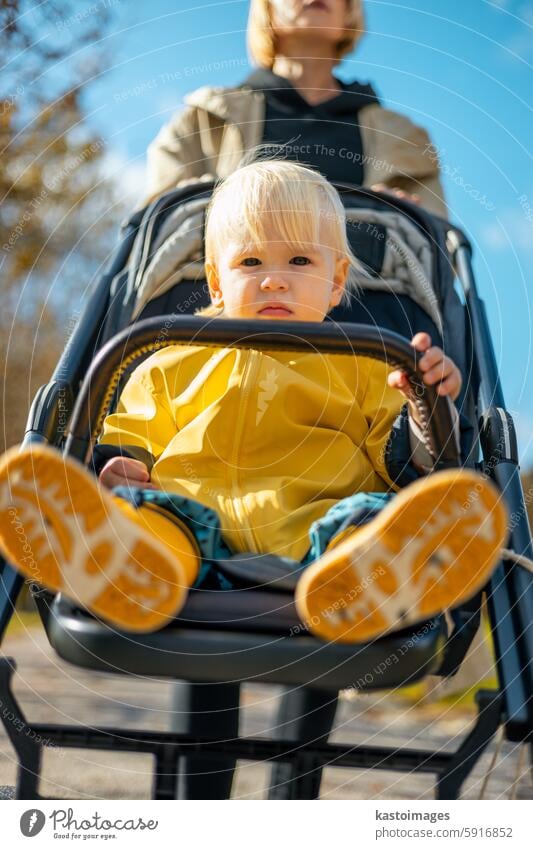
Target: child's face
x: 273, y: 281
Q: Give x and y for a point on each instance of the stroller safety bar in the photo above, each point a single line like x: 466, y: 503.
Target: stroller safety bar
x: 121, y: 352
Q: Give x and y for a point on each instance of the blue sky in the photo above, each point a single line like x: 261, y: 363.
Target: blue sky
x: 461, y: 68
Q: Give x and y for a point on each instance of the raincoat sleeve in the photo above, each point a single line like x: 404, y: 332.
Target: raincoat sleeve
x: 143, y: 424
x: 381, y: 407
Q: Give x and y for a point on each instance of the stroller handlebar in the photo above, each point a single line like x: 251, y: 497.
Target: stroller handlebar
x: 134, y: 343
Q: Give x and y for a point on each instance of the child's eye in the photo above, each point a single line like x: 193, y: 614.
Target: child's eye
x: 250, y: 261
x: 300, y: 260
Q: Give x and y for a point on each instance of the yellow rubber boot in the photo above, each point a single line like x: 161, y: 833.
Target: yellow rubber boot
x: 60, y: 528
x: 432, y: 547
x: 169, y: 530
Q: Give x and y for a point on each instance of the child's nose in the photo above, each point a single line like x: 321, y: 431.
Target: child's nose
x: 274, y: 280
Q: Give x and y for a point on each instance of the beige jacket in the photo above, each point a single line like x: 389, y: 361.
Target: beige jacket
x: 209, y: 137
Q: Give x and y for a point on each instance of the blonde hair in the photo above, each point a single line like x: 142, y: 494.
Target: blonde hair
x: 261, y: 39
x: 307, y: 211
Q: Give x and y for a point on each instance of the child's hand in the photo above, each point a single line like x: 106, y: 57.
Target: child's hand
x: 437, y: 368
x: 125, y: 471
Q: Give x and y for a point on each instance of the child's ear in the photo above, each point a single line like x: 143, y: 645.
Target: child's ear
x: 340, y: 276
x: 215, y: 292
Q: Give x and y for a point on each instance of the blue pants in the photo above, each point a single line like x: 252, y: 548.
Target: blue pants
x: 204, y: 523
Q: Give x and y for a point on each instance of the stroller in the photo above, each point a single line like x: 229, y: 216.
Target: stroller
x: 145, y: 301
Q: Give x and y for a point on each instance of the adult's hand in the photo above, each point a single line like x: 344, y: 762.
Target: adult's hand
x: 399, y: 193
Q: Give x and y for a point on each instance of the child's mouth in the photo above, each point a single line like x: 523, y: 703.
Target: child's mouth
x: 275, y: 309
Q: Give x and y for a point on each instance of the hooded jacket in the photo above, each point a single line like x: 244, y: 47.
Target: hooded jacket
x: 219, y: 125
x: 270, y: 441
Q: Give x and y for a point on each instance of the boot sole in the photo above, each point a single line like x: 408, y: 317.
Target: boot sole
x: 59, y: 528
x: 431, y: 548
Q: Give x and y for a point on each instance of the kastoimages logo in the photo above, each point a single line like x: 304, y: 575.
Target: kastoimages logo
x: 32, y: 822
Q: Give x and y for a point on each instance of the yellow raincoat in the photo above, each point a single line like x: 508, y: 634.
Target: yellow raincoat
x: 269, y: 440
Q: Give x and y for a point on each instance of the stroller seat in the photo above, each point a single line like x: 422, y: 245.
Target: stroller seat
x: 203, y: 644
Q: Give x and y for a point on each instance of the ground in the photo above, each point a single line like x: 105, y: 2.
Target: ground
x: 50, y: 690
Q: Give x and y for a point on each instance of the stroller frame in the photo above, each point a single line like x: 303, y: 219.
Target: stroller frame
x: 79, y: 638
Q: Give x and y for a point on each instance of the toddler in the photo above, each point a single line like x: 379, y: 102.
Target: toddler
x: 217, y: 451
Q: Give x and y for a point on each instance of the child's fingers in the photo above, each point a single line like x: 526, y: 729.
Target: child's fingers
x: 436, y: 368
x: 432, y: 357
x: 129, y: 468
x: 135, y: 469
x: 143, y: 485
x: 421, y: 341
x: 439, y: 372
x: 448, y: 379
x: 449, y: 386
x: 125, y: 471
x: 452, y: 385
x: 398, y: 380
x: 111, y: 480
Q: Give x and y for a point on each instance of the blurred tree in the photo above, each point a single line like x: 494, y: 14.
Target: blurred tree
x: 58, y: 213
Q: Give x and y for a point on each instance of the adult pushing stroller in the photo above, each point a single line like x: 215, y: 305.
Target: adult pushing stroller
x: 143, y: 303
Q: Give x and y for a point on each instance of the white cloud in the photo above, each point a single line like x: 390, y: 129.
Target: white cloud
x: 526, y: 13
x: 520, y: 41
x: 511, y: 227
x: 520, y: 44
